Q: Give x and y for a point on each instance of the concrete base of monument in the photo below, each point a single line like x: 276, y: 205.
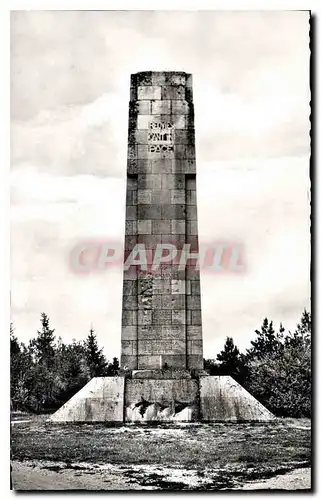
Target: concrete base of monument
x: 137, y: 398
x: 159, y: 399
x: 101, y: 400
x: 222, y: 399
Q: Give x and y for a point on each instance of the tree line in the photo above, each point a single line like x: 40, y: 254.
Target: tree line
x: 276, y: 368
x: 47, y: 372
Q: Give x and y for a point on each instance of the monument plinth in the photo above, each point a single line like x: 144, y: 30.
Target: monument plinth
x: 161, y: 338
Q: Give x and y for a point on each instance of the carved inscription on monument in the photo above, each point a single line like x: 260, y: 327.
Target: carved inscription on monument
x: 160, y: 137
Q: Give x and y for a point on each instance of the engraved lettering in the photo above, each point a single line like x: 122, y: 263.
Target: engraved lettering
x: 160, y: 138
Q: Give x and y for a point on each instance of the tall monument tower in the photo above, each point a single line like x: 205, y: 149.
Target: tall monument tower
x: 161, y: 321
x: 161, y: 376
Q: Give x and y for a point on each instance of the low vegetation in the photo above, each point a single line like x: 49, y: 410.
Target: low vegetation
x: 276, y: 369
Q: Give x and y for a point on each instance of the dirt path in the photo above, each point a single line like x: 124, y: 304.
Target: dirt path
x: 299, y: 479
x: 28, y: 476
x: 34, y: 476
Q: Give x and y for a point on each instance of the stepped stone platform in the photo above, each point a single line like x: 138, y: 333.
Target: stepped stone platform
x: 185, y: 399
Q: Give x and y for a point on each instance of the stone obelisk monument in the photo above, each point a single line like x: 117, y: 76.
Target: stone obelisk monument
x: 161, y: 323
x: 161, y: 376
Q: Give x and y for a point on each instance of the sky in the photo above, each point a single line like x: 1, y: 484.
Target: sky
x: 70, y: 74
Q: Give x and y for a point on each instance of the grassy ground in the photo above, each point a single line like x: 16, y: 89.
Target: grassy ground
x: 192, y: 456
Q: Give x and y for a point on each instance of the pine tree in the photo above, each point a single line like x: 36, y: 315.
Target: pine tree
x: 302, y: 334
x: 95, y: 358
x: 230, y: 354
x: 43, y: 346
x: 14, y: 344
x: 280, y: 375
x: 20, y: 370
x: 72, y: 368
x: 305, y: 325
x: 231, y: 361
x: 113, y: 368
x: 266, y: 342
x: 45, y: 378
x: 15, y: 353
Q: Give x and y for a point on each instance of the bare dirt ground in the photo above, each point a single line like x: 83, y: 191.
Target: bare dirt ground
x: 32, y: 476
x: 48, y: 456
x: 299, y: 479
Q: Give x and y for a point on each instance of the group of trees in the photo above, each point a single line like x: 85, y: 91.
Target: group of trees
x: 47, y: 372
x: 276, y: 369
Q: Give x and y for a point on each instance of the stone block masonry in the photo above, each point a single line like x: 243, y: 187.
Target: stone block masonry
x: 161, y: 208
